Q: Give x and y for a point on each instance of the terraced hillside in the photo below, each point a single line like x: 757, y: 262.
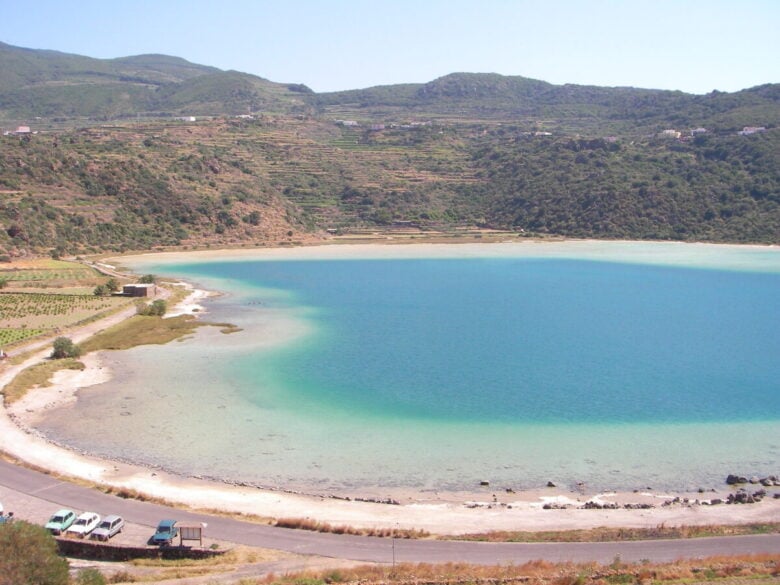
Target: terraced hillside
x: 266, y: 180
x: 275, y: 179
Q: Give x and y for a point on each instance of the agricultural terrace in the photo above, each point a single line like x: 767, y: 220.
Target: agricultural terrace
x: 44, y: 296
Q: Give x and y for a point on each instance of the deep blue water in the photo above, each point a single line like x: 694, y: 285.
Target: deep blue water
x: 517, y: 340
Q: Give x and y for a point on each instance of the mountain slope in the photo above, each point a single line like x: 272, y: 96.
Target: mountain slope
x: 36, y: 83
x: 572, y: 108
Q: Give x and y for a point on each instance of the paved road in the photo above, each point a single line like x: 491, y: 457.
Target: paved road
x: 64, y: 494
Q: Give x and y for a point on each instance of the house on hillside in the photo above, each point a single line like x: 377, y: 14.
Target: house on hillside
x: 671, y: 133
x: 22, y: 130
x: 748, y: 130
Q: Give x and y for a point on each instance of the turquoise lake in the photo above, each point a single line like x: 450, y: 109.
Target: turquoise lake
x: 436, y: 373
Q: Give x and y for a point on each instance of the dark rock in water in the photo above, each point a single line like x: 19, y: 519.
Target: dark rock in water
x: 550, y: 484
x: 735, y: 479
x: 754, y: 479
x: 715, y: 501
x: 777, y: 495
x: 484, y: 482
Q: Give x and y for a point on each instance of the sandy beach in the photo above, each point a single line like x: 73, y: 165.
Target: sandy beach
x: 441, y: 513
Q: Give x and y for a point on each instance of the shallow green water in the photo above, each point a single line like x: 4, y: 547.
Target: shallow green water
x: 435, y: 373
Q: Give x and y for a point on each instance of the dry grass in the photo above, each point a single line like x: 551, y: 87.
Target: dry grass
x: 316, y: 526
x: 737, y: 569
x: 156, y: 570
x: 38, y: 375
x: 141, y: 331
x: 604, y: 534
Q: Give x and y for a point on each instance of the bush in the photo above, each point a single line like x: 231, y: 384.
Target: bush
x: 101, y: 290
x: 112, y: 284
x: 65, y: 348
x: 28, y: 554
x: 90, y: 576
x: 148, y: 279
x: 157, y: 308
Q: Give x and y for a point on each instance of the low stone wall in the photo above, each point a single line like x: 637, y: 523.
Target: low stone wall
x: 89, y: 549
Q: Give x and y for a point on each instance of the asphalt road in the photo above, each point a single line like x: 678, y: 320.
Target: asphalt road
x: 370, y: 549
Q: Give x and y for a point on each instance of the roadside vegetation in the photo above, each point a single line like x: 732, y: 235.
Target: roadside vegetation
x: 28, y: 554
x: 754, y: 569
x: 603, y: 534
x: 316, y: 526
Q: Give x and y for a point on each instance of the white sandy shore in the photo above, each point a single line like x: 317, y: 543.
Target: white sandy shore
x: 724, y: 256
x: 439, y: 513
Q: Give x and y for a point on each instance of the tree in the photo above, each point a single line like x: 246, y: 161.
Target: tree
x: 28, y: 554
x: 3, y: 282
x: 101, y: 290
x: 147, y: 279
x: 65, y: 348
x: 112, y: 284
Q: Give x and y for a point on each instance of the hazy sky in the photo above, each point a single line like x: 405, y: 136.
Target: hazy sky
x: 690, y: 45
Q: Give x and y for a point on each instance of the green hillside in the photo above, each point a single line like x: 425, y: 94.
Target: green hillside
x: 268, y: 163
x: 571, y: 108
x: 49, y: 84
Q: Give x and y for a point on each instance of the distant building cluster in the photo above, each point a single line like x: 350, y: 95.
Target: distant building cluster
x: 377, y: 127
x: 748, y: 130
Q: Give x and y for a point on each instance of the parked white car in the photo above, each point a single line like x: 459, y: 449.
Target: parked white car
x: 84, y: 524
x: 110, y: 526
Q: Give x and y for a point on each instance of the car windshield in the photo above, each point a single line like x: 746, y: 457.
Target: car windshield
x: 81, y: 521
x: 105, y: 525
x: 58, y: 519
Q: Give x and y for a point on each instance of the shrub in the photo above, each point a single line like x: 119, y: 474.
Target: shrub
x: 65, y: 348
x: 148, y: 279
x: 157, y: 308
x: 101, y: 290
x: 90, y: 576
x: 29, y: 555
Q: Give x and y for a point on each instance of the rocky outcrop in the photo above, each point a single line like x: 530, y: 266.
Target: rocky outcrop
x: 742, y: 496
x: 769, y: 481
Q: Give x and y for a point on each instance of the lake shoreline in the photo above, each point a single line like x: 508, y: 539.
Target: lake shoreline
x: 485, y: 507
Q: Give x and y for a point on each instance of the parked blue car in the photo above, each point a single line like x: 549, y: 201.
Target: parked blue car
x: 166, y: 532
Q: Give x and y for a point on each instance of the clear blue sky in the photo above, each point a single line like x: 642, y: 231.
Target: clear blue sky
x: 690, y: 45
